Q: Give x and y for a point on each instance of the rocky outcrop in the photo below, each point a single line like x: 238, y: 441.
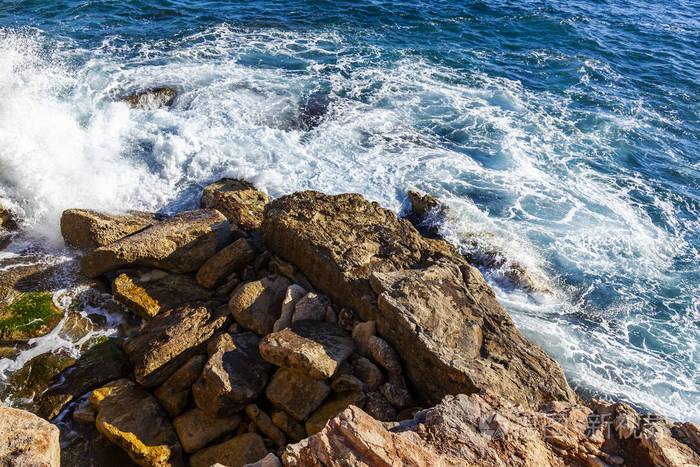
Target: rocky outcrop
x: 27, y: 440
x: 83, y: 228
x: 148, y: 292
x: 437, y: 312
x: 238, y: 200
x: 179, y: 244
x: 170, y: 339
x: 131, y: 418
x: 151, y: 99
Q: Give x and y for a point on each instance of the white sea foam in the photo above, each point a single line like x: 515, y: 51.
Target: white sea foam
x: 516, y: 171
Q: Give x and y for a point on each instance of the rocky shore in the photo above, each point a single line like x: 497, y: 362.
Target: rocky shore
x: 312, y: 330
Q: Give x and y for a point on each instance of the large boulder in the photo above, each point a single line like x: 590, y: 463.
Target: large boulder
x: 179, y: 244
x: 314, y: 348
x: 436, y: 311
x: 231, y: 259
x: 455, y: 338
x: 132, y: 419
x: 27, y: 440
x: 83, y: 228
x: 238, y: 200
x: 256, y: 305
x: 233, y: 377
x: 338, y: 241
x: 164, y: 344
x: 236, y: 452
x: 147, y: 292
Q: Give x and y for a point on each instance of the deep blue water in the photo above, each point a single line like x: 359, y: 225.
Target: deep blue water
x: 563, y: 135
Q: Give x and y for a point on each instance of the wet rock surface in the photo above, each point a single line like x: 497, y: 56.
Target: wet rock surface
x: 151, y: 99
x: 83, y: 228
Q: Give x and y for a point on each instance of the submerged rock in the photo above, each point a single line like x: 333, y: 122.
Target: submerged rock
x: 32, y: 314
x: 179, y: 244
x: 27, y: 440
x: 83, y: 228
x: 238, y: 200
x: 151, y: 99
x: 132, y: 419
x: 148, y: 292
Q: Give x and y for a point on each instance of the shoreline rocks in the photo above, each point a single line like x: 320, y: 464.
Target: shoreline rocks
x: 84, y: 228
x: 151, y: 99
x: 26, y: 439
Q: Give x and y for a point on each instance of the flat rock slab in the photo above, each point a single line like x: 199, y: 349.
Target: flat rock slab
x: 314, y: 348
x: 147, y: 292
x: 295, y: 393
x: 27, y: 440
x: 237, y: 452
x: 233, y: 377
x: 455, y: 337
x: 83, y: 228
x: 132, y: 419
x: 170, y: 339
x: 179, y: 244
x: 230, y: 259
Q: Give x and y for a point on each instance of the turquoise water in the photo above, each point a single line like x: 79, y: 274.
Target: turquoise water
x: 564, y: 136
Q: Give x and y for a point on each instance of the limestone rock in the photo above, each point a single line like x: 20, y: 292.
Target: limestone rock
x: 296, y: 394
x: 332, y: 407
x: 151, y: 99
x: 27, y: 440
x: 179, y: 244
x: 293, y: 294
x: 236, y: 452
x: 234, y: 376
x: 86, y: 229
x: 339, y: 241
x: 265, y: 425
x: 238, y: 200
x: 361, y: 334
x: 256, y: 305
x: 314, y: 348
x: 174, y: 393
x: 230, y: 259
x: 101, y: 363
x: 455, y: 337
x: 170, y: 339
x: 132, y: 419
x: 196, y: 428
x: 310, y: 307
x: 286, y: 423
x: 148, y: 292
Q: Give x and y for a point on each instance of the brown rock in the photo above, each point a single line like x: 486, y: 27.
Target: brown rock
x: 179, y: 244
x: 332, y: 407
x: 381, y: 352
x: 286, y: 423
x: 149, y: 292
x: 233, y: 377
x: 368, y: 372
x: 232, y: 258
x: 454, y: 337
x: 397, y: 396
x: 256, y: 305
x: 346, y: 382
x: 236, y: 452
x: 378, y: 407
x: 361, y: 334
x: 196, y: 428
x: 268, y: 461
x: 314, y: 348
x: 85, y: 229
x: 663, y: 449
x: 132, y: 419
x: 27, y: 440
x: 265, y: 425
x: 170, y: 339
x: 296, y: 394
x: 174, y: 393
x: 293, y: 294
x: 311, y: 307
x: 338, y: 241
x: 238, y: 200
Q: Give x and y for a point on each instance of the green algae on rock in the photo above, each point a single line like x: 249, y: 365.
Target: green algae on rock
x: 33, y: 314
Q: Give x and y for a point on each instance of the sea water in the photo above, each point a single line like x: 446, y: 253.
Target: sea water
x: 563, y: 136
